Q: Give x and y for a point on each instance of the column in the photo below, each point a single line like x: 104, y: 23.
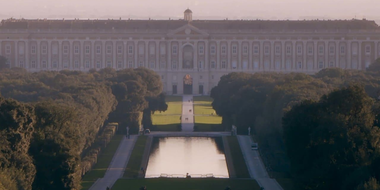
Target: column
x: 315, y: 52
x: 146, y: 43
x: 157, y: 54
x: 337, y: 54
x: 71, y: 50
x: 103, y: 53
x: 38, y: 51
x: 304, y: 52
x: 196, y: 56
x: 326, y: 49
x: 16, y: 55
x: 239, y: 54
x: 250, y: 52
x: 26, y: 54
x: 82, y: 52
x: 180, y: 56
x: 92, y: 54
x: 294, y: 61
x: 169, y: 54
x: 116, y: 66
x: 360, y: 61
x: 49, y: 52
x: 207, y: 62
x: 229, y: 55
x: 272, y: 52
x: 261, y: 51
x: 60, y: 54
x: 349, y: 54
x: 217, y: 53
x: 283, y: 52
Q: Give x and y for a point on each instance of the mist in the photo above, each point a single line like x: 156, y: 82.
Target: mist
x: 202, y: 9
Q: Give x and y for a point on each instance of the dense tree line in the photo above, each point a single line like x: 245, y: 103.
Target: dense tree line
x: 49, y: 120
x: 260, y: 101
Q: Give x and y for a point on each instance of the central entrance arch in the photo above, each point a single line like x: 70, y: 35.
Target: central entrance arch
x: 187, y: 84
x: 188, y: 57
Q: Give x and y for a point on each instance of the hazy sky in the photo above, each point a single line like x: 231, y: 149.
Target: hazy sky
x: 202, y: 9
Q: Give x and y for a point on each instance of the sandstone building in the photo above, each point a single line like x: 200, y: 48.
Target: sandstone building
x: 190, y: 55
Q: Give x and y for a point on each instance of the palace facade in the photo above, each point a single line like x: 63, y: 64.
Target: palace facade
x: 190, y: 55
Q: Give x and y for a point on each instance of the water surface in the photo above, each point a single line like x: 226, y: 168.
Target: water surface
x: 176, y: 156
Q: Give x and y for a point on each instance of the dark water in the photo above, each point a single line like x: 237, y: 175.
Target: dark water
x: 176, y: 156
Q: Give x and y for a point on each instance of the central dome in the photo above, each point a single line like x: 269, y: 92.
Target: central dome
x: 188, y: 11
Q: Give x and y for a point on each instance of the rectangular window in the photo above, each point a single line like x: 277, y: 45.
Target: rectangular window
x: 76, y: 49
x: 152, y: 50
x: 245, y: 50
x: 141, y: 49
x: 234, y: 65
x: 152, y: 65
x: 332, y: 50
x: 109, y: 49
x: 98, y: 65
x: 87, y: 63
x: 331, y: 64
x: 65, y: 49
x: 367, y: 49
x: 119, y: 64
x: 354, y: 50
x: 224, y: 50
x: 223, y: 64
x: 55, y: 64
x: 130, y: 64
x: 33, y: 50
x: 8, y: 50
x: 44, y: 65
x: 234, y: 49
x: 320, y: 65
x: 213, y: 65
x: 33, y: 64
x: 310, y: 50
x: 162, y: 50
x: 321, y: 49
x: 174, y: 50
x: 201, y: 49
x: 299, y: 50
x: 174, y: 65
x: 87, y: 49
x: 255, y: 64
x: 141, y: 64
x: 266, y: 50
x: 21, y: 63
x: 130, y: 49
x: 98, y: 49
x: 44, y: 49
x: 21, y: 49
x: 288, y: 50
x: 65, y: 64
x: 55, y: 50
x: 342, y: 50
x: 119, y: 49
x: 212, y: 50
x: 299, y: 65
x: 76, y: 64
x: 109, y: 64
x: 256, y: 50
x: 277, y: 50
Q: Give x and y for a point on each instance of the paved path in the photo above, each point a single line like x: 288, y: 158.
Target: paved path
x: 187, y: 120
x: 117, y: 166
x: 255, y: 165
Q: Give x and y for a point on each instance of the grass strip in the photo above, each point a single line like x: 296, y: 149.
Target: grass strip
x: 237, y: 158
x: 186, y: 184
x: 104, y: 161
x: 134, y: 163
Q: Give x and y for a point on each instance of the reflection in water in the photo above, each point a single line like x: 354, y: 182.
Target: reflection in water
x: 181, y: 155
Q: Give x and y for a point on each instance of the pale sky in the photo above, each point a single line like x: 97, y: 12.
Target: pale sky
x: 202, y: 9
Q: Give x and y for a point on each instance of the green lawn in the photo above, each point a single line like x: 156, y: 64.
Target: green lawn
x: 104, y: 161
x: 168, y: 120
x: 134, y: 163
x: 185, y: 184
x: 165, y: 119
x: 237, y: 158
x: 208, y: 119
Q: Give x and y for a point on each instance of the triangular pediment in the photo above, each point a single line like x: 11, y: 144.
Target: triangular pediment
x: 188, y: 30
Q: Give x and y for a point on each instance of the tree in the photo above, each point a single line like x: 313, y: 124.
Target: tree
x: 375, y: 66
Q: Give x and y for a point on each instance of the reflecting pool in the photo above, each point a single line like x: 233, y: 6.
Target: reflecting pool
x: 177, y: 156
